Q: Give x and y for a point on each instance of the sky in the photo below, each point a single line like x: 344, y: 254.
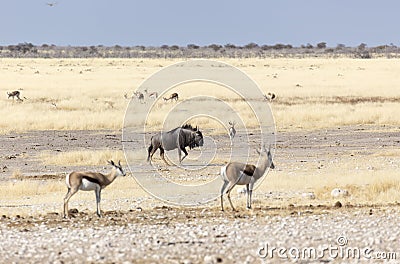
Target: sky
x: 201, y: 22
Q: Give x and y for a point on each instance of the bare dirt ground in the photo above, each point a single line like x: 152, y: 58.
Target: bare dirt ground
x: 139, y: 229
x: 292, y: 148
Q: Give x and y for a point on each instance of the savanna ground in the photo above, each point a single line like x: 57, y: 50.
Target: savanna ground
x: 337, y: 126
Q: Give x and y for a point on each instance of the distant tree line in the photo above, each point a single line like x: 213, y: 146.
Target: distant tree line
x: 250, y: 50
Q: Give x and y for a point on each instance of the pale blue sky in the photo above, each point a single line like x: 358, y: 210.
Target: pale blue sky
x: 202, y: 22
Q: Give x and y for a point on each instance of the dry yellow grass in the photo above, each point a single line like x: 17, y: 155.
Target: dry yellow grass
x: 89, y: 93
x: 369, y: 179
x: 81, y: 157
x: 25, y: 197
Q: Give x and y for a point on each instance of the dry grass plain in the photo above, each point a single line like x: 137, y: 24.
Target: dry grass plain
x: 312, y: 95
x: 337, y: 126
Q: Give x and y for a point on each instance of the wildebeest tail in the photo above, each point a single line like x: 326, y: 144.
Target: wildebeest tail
x: 149, y: 151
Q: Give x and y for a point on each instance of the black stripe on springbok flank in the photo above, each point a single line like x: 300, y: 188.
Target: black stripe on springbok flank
x: 249, y: 169
x: 91, y: 179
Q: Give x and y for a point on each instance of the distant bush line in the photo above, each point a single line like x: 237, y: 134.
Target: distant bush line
x: 251, y: 50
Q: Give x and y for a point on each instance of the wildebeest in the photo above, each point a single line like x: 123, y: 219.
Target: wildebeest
x: 180, y: 138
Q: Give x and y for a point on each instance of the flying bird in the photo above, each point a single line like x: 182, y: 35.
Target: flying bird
x: 51, y: 4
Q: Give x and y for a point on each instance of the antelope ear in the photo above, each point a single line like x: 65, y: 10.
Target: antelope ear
x: 119, y: 163
x: 111, y: 162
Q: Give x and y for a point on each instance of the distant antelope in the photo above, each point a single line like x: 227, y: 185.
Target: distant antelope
x: 236, y: 173
x: 139, y: 96
x: 232, y: 131
x: 14, y: 94
x: 173, y: 96
x: 91, y: 181
x: 151, y: 94
x: 269, y: 96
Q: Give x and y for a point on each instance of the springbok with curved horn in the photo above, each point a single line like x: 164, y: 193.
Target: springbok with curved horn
x: 139, y: 96
x: 14, y: 94
x: 236, y: 173
x: 232, y: 131
x: 91, y: 181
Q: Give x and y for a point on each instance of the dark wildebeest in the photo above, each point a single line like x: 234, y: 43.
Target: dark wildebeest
x: 180, y: 137
x: 173, y: 96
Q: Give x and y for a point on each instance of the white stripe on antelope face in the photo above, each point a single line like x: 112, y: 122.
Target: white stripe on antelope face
x: 88, y: 185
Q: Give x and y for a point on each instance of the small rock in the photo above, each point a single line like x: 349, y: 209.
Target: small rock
x: 242, y: 191
x: 338, y: 204
x: 212, y: 259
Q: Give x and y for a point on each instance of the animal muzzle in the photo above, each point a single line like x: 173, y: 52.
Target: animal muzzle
x: 272, y: 166
x: 201, y: 142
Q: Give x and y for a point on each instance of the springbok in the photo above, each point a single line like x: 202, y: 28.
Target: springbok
x: 14, y: 94
x: 151, y: 94
x: 269, y: 96
x: 232, y: 131
x: 236, y: 173
x: 91, y: 181
x: 173, y: 96
x: 139, y: 96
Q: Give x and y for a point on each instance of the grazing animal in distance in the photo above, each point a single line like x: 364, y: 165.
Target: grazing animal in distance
x: 236, y: 173
x: 139, y: 96
x: 232, y: 131
x: 173, y: 96
x: 151, y: 94
x: 339, y: 193
x: 14, y: 94
x: 91, y: 181
x: 178, y: 138
x: 270, y: 96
